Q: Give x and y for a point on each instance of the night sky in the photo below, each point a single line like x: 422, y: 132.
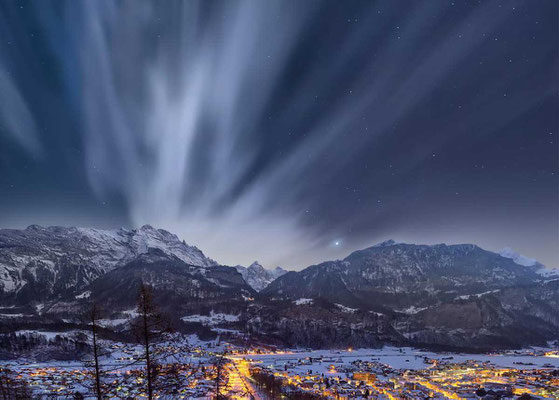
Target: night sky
x: 289, y: 132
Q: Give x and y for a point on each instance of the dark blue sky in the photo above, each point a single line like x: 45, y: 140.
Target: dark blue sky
x: 274, y: 130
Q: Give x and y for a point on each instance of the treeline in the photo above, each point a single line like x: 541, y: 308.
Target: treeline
x: 9, y: 327
x: 59, y: 347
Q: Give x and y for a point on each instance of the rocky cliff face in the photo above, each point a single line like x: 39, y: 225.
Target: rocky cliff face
x: 505, y: 318
x: 176, y: 283
x: 320, y: 324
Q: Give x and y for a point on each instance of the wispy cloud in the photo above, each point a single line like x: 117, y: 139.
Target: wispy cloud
x: 17, y: 120
x: 173, y: 99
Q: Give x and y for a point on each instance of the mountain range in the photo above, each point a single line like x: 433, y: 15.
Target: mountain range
x: 458, y: 296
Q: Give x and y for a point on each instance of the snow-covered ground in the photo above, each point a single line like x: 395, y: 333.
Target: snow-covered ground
x: 412, y: 310
x: 50, y: 335
x: 212, y: 319
x: 12, y: 315
x: 190, y: 350
x: 478, y: 295
x: 346, y: 309
x: 399, y: 358
x: 300, y: 302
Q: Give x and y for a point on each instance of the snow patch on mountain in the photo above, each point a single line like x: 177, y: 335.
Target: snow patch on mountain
x: 302, y: 302
x: 345, y: 309
x: 412, y: 310
x: 478, y: 295
x: 212, y: 319
x: 549, y: 273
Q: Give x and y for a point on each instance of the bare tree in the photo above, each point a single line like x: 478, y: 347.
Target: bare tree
x: 91, y: 317
x: 94, y: 316
x: 150, y: 326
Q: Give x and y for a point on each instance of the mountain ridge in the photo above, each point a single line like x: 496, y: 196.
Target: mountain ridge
x: 36, y: 262
x: 450, y: 295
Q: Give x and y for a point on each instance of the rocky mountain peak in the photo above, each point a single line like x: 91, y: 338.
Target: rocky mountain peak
x: 256, y: 266
x: 34, y: 227
x: 386, y: 243
x: 259, y: 277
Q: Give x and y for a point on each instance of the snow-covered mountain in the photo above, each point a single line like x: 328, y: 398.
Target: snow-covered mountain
x: 393, y: 272
x: 37, y: 263
x: 259, y: 277
x: 457, y: 295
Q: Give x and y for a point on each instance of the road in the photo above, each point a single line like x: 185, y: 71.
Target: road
x: 239, y: 381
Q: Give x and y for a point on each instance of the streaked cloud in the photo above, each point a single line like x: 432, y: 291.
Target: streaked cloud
x: 272, y: 129
x: 16, y: 121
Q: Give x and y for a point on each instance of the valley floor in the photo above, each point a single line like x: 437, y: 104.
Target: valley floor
x: 188, y: 371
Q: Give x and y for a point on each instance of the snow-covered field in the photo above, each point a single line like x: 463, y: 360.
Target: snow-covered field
x: 212, y: 319
x: 400, y: 358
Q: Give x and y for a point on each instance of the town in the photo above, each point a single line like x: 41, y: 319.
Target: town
x: 193, y: 369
